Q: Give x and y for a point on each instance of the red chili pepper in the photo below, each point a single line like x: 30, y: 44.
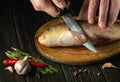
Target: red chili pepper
x: 32, y: 63
x: 10, y: 61
x: 37, y: 64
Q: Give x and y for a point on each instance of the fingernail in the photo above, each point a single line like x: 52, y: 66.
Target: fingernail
x: 77, y: 18
x: 101, y: 25
x: 91, y: 21
x: 62, y: 4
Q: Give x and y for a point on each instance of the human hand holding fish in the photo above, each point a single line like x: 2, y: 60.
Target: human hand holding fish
x: 60, y: 5
x: 108, y: 10
x: 68, y: 38
x: 107, y: 14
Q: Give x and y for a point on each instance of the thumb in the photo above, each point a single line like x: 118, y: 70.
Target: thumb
x: 46, y: 6
x: 60, y: 3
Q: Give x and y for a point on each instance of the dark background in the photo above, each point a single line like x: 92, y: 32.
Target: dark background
x: 18, y: 25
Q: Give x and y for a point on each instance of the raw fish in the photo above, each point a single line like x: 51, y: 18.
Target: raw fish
x: 61, y: 35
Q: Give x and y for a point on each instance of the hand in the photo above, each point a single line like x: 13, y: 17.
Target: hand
x: 108, y: 11
x: 48, y: 7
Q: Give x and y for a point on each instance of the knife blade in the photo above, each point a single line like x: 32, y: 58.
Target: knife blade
x: 74, y: 26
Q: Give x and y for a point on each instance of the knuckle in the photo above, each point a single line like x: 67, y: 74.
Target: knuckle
x: 37, y: 7
x: 95, y: 3
x: 104, y: 2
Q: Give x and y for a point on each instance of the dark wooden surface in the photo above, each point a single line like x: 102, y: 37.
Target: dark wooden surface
x: 18, y: 25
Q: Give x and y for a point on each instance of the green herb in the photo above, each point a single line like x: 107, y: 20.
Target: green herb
x: 16, y: 53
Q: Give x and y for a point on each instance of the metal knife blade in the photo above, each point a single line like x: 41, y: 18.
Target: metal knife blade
x: 74, y: 26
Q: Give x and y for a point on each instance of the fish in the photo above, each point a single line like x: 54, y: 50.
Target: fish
x: 61, y: 35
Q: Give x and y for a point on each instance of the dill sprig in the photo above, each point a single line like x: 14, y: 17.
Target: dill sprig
x: 16, y: 53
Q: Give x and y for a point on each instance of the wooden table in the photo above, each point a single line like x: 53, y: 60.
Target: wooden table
x: 18, y: 25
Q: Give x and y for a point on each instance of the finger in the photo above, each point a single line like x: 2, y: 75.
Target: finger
x: 51, y: 10
x: 93, y: 5
x: 60, y: 3
x: 46, y: 6
x: 103, y: 11
x: 39, y: 5
x: 67, y: 4
x: 113, y: 13
x: 84, y: 11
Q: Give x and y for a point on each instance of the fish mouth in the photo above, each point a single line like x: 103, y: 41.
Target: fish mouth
x: 42, y: 40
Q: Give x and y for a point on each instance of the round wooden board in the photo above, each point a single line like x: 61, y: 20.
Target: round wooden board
x: 74, y: 55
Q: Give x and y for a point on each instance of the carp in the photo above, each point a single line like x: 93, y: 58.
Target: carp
x: 61, y: 35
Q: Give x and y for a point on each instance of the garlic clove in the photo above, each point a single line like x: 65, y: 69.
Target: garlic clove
x: 10, y: 68
x: 108, y: 65
x: 26, y: 69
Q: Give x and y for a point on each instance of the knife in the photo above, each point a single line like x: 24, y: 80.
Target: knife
x: 74, y: 26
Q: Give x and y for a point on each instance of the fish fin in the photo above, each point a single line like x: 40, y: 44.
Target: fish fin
x: 101, y: 41
x: 79, y: 37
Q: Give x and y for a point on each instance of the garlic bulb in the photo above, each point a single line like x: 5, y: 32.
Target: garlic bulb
x: 22, y: 67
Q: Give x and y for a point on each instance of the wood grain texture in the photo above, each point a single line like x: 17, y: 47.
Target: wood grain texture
x: 18, y: 25
x: 75, y: 55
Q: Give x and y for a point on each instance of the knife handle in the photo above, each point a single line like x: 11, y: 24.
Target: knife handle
x: 61, y: 11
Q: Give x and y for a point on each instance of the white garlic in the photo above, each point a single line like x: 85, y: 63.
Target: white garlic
x: 108, y: 65
x: 10, y: 68
x: 22, y: 67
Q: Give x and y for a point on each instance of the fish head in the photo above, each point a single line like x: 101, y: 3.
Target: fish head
x: 61, y: 35
x: 51, y: 35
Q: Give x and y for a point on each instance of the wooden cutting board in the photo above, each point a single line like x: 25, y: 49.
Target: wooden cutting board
x: 75, y: 55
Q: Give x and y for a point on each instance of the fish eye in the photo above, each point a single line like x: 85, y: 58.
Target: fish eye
x: 69, y: 29
x: 47, y: 29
